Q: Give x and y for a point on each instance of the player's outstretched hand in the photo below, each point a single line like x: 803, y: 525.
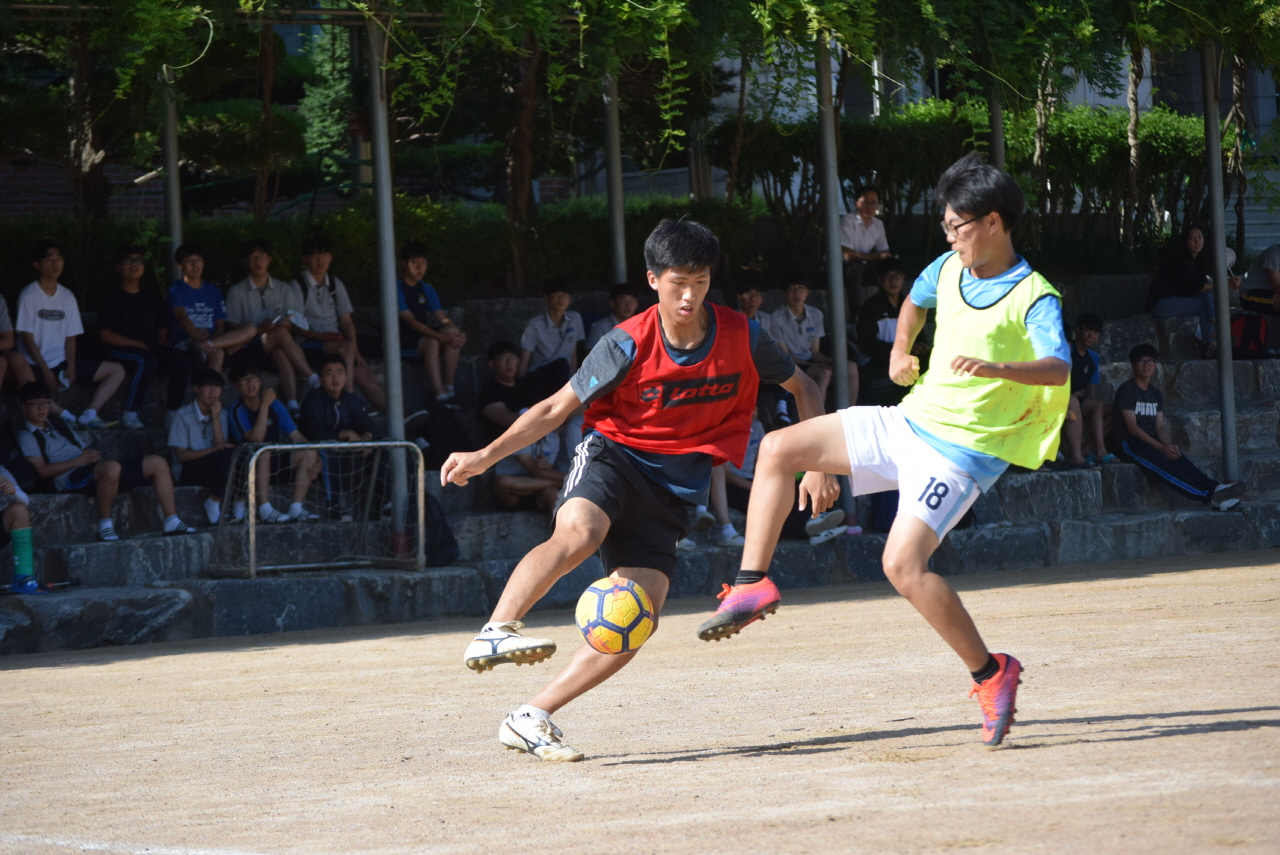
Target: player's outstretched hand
x: 818, y: 492
x: 904, y: 369
x: 461, y: 467
x: 973, y: 367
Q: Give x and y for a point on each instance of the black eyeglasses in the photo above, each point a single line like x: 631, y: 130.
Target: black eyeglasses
x: 950, y: 230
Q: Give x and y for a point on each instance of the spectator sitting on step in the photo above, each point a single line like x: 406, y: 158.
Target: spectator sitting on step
x: 16, y: 515
x: 623, y: 303
x: 862, y: 241
x: 198, y: 315
x: 58, y: 453
x: 198, y: 437
x: 504, y: 396
x: 426, y: 332
x: 1144, y: 439
x: 48, y: 324
x: 257, y: 417
x: 798, y: 328
x: 331, y: 413
x: 1262, y: 284
x: 271, y: 308
x: 772, y: 401
x: 548, y: 345
x: 1182, y: 287
x: 327, y: 308
x: 530, y: 472
x: 133, y: 330
x: 877, y: 327
x: 1084, y: 405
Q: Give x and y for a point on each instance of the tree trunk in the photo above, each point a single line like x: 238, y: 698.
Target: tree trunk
x: 1039, y: 163
x: 1136, y: 70
x: 1238, y: 94
x: 520, y: 159
x: 267, y: 75
x: 89, y: 187
x: 735, y: 150
x: 997, y: 127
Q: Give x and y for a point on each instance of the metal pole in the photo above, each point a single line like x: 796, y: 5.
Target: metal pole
x: 172, y: 184
x: 830, y: 182
x: 1218, y: 252
x: 613, y: 172
x: 387, y: 272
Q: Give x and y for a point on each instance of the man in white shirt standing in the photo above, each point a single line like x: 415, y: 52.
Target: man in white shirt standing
x: 862, y: 240
x: 48, y: 323
x: 272, y: 307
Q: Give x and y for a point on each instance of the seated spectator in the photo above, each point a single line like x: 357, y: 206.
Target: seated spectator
x: 1084, y: 405
x: 256, y: 416
x: 1182, y: 286
x: 1144, y: 439
x: 198, y: 437
x: 623, y: 302
x: 16, y: 515
x: 798, y: 524
x: 271, y: 308
x: 877, y: 328
x: 426, y: 332
x: 862, y: 242
x: 772, y: 400
x: 503, y: 397
x: 530, y: 472
x: 331, y: 413
x: 1262, y: 284
x: 327, y: 308
x: 798, y: 328
x: 58, y: 453
x: 704, y: 518
x: 548, y: 346
x: 198, y: 315
x: 48, y: 324
x: 133, y: 330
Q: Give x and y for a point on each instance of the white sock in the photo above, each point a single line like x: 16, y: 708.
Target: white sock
x: 492, y: 626
x: 237, y: 510
x: 702, y: 509
x: 782, y: 407
x: 265, y: 509
x: 292, y: 405
x: 728, y: 531
x: 213, y: 510
x: 68, y: 415
x: 88, y: 416
x: 103, y: 525
x: 443, y: 396
x: 171, y: 522
x: 314, y: 381
x: 527, y: 711
x: 448, y: 390
x: 295, y: 509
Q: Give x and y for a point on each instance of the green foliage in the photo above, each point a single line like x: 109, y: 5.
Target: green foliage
x: 230, y: 137
x: 327, y: 99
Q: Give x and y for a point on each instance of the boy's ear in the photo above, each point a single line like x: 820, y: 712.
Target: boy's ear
x: 653, y: 279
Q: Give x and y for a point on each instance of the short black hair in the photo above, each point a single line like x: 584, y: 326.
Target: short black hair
x: 33, y: 391
x: 316, y: 244
x: 799, y: 279
x: 555, y: 285
x: 206, y: 377
x: 413, y: 249
x: 624, y: 289
x: 241, y: 371
x: 1089, y: 321
x: 1142, y: 351
x: 41, y: 249
x: 187, y: 250
x: 750, y: 283
x: 885, y: 266
x: 682, y: 244
x: 333, y: 359
x: 500, y: 347
x: 128, y: 250
x: 863, y: 189
x: 253, y: 245
x: 974, y: 189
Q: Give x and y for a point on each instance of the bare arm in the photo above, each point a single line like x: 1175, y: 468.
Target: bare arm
x: 904, y: 369
x: 53, y: 470
x: 538, y: 421
x: 808, y: 404
x: 525, y: 355
x: 1046, y: 371
x: 6, y: 340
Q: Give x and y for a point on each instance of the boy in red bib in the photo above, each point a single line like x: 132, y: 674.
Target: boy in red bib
x: 670, y: 394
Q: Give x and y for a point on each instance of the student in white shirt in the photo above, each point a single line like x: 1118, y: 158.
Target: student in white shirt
x: 48, y: 323
x: 862, y: 240
x: 623, y: 303
x: 799, y: 328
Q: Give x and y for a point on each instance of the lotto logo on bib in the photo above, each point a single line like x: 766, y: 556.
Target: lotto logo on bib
x: 702, y: 390
x: 51, y: 314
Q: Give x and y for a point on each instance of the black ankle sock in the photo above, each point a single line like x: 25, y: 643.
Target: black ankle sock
x: 746, y: 577
x: 986, y: 672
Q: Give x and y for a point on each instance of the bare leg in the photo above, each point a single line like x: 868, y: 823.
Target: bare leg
x: 1093, y: 412
x: 853, y: 382
x: 157, y: 472
x: 106, y: 477
x: 430, y: 350
x: 589, y: 668
x: 234, y: 339
x: 1072, y: 431
x: 580, y: 528
x: 264, y: 477
x: 216, y: 357
x: 109, y: 376
x: 719, y: 497
x: 821, y: 375
x: 509, y: 489
x: 906, y: 564
x: 306, y: 466
x: 19, y: 368
x: 371, y: 388
x: 273, y: 344
x: 293, y: 351
x: 450, y: 356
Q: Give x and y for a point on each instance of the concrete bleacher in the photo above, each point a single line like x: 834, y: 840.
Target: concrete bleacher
x: 149, y: 587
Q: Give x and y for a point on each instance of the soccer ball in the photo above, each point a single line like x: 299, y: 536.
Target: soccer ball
x: 615, y: 616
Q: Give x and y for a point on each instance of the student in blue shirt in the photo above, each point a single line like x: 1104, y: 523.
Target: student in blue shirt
x: 199, y: 316
x: 426, y: 332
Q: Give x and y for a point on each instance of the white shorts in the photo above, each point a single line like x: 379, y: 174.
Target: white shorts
x: 886, y: 454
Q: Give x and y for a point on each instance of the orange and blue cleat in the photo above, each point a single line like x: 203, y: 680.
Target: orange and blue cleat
x: 998, y: 696
x: 741, y: 605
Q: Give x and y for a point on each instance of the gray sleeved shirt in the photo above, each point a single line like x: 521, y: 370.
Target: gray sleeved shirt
x: 247, y: 304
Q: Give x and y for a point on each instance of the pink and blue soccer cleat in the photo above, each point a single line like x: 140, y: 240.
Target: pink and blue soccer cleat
x: 741, y: 605
x: 998, y: 696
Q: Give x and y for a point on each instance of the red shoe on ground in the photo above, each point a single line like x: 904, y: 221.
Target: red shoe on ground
x: 741, y: 605
x: 998, y: 696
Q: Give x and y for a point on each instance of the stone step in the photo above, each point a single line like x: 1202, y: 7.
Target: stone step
x: 1175, y: 338
x: 1199, y: 432
x: 1194, y: 383
x: 135, y: 561
x: 63, y: 518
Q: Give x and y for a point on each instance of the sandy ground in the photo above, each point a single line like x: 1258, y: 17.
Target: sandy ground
x: 1149, y: 722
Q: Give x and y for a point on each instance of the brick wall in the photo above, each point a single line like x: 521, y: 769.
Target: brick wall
x: 34, y: 187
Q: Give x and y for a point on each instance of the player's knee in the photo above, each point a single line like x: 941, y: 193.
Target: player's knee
x: 108, y: 470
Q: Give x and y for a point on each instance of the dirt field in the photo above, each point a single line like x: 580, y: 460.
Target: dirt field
x: 1149, y: 722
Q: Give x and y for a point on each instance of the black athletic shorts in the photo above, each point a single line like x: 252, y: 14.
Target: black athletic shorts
x: 82, y: 479
x: 645, y: 519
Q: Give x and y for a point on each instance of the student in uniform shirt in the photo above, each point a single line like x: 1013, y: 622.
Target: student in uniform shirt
x: 548, y: 345
x: 256, y: 416
x: 269, y: 307
x: 862, y: 241
x: 133, y: 330
x: 327, y: 308
x: 799, y: 328
x: 198, y: 315
x: 198, y: 439
x: 331, y: 413
x: 623, y: 302
x: 426, y: 332
x: 48, y: 324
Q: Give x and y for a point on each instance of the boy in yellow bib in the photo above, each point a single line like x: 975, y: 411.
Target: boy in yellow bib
x: 995, y: 395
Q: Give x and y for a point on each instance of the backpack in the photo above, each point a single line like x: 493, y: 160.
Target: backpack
x: 1249, y: 337
x: 441, y: 546
x: 445, y: 433
x: 12, y: 458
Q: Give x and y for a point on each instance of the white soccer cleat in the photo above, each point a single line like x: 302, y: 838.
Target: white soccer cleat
x: 536, y: 736
x: 504, y: 643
